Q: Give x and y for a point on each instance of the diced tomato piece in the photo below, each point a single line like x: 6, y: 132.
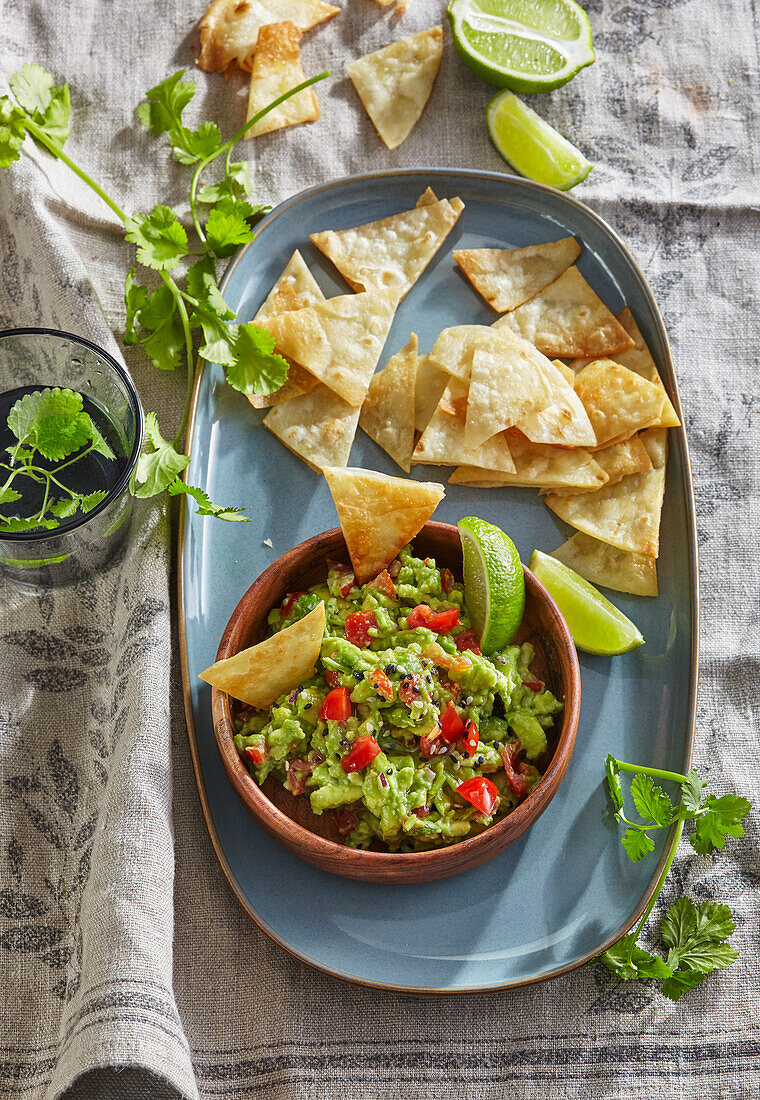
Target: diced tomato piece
x: 346, y: 588
x: 380, y: 682
x: 357, y: 627
x: 363, y: 752
x: 409, y: 689
x: 452, y: 726
x: 421, y: 811
x: 447, y: 660
x: 440, y: 621
x: 481, y: 793
x: 257, y: 754
x: 432, y: 744
x: 337, y: 706
x: 518, y: 783
x: 447, y: 580
x: 288, y: 602
x: 470, y: 739
x: 534, y: 685
x: 345, y: 819
x: 385, y: 584
x: 468, y: 639
x: 332, y: 677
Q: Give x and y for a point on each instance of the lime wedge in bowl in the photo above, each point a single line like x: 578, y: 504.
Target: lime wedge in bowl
x: 531, y: 146
x: 597, y: 626
x: 525, y: 45
x: 494, y: 582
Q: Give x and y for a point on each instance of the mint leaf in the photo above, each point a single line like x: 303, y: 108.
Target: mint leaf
x: 640, y: 965
x: 637, y: 844
x: 202, y: 286
x: 723, y: 819
x: 8, y: 495
x: 12, y: 131
x: 651, y: 802
x: 159, y: 465
x: 614, y: 786
x: 166, y: 344
x: 26, y: 523
x: 55, y: 119
x: 166, y: 102
x: 99, y: 444
x: 681, y: 982
x: 52, y: 421
x: 135, y: 297
x: 65, y: 508
x: 32, y: 86
x: 191, y: 146
x: 696, y: 935
x: 691, y: 794
x: 226, y: 229
x: 257, y: 367
x: 92, y: 500
x: 160, y: 238
x: 205, y: 505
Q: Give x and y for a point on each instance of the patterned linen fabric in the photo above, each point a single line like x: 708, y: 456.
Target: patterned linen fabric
x: 90, y: 702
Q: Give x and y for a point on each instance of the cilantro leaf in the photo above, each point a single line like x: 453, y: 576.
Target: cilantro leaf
x: 135, y: 297
x: 12, y: 131
x: 257, y: 368
x: 191, y: 146
x: 236, y: 184
x: 166, y: 343
x: 166, y: 102
x: 640, y: 964
x: 52, y: 421
x: 226, y: 229
x: 651, y: 802
x: 202, y: 286
x: 8, y: 495
x: 691, y: 794
x: 697, y: 935
x: 614, y: 785
x: 160, y: 238
x: 637, y: 844
x: 723, y: 819
x: 158, y: 466
x: 54, y: 120
x: 681, y: 982
x: 205, y: 505
x: 220, y: 339
x: 32, y: 86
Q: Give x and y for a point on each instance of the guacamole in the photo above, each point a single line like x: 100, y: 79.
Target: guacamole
x: 407, y: 733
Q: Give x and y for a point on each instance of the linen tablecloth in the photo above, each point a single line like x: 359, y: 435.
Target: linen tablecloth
x: 120, y: 942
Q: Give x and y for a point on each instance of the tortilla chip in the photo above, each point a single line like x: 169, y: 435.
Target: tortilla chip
x: 276, y: 69
x: 395, y: 83
x: 379, y: 514
x: 567, y: 319
x: 618, y: 401
x: 454, y: 348
x: 507, y: 277
x: 621, y: 459
x: 431, y: 382
x: 567, y: 372
x: 392, y: 252
x: 339, y: 340
x: 443, y: 441
x: 230, y: 28
x: 262, y: 673
x: 387, y: 414
x: 655, y: 441
x: 603, y: 564
x: 538, y: 466
x: 626, y: 515
x: 318, y: 426
x: 427, y: 198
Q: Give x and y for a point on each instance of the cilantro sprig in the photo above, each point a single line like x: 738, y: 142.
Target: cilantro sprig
x: 172, y: 316
x: 696, y: 936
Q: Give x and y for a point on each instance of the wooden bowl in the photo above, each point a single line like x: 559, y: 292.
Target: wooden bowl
x: 289, y: 819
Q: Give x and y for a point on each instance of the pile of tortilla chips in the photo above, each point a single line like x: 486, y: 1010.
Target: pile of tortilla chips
x: 557, y: 394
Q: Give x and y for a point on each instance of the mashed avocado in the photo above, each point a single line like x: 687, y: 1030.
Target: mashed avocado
x: 402, y: 712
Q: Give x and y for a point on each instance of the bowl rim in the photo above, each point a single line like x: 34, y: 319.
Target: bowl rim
x: 283, y: 826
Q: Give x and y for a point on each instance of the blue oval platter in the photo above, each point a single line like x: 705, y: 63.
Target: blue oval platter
x: 566, y: 890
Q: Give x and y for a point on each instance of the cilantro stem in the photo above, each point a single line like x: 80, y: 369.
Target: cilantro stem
x: 228, y: 145
x: 657, y: 889
x: 57, y: 151
x: 655, y: 773
x: 182, y: 308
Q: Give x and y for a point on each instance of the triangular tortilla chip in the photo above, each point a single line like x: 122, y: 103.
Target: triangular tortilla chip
x: 230, y: 28
x: 395, y: 83
x: 621, y: 459
x: 276, y: 69
x: 567, y: 372
x: 339, y: 340
x: 296, y: 288
x: 387, y: 414
x: 379, y: 514
x: 431, y: 382
x: 655, y: 441
x: 513, y: 384
x: 603, y: 564
x: 618, y: 401
x: 507, y: 277
x: 455, y: 346
x: 318, y: 426
x: 568, y: 319
x: 427, y: 198
x: 443, y: 441
x: 262, y: 673
x: 626, y: 514
x: 392, y: 252
x: 538, y: 467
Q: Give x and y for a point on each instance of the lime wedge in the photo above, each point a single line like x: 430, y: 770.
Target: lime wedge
x: 595, y: 624
x: 525, y: 45
x: 531, y: 146
x: 494, y: 582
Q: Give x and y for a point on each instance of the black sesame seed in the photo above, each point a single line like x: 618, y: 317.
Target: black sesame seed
x: 358, y: 676
x: 390, y: 669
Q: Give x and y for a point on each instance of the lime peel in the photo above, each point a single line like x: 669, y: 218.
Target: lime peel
x: 531, y: 146
x: 494, y: 582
